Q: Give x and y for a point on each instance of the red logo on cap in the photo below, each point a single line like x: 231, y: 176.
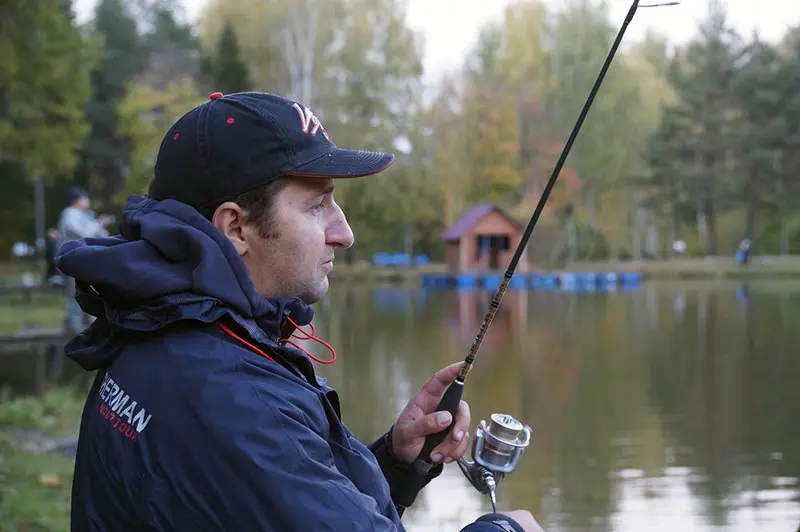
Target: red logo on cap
x: 215, y: 95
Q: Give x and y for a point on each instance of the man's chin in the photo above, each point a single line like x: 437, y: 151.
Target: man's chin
x: 316, y: 294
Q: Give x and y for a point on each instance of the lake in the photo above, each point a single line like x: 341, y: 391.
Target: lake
x: 672, y: 406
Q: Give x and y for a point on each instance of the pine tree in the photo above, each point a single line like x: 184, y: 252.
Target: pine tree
x: 106, y: 156
x: 761, y: 128
x: 171, y: 47
x: 703, y: 145
x: 226, y: 70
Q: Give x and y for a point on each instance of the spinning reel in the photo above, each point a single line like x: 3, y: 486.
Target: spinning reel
x: 496, y: 451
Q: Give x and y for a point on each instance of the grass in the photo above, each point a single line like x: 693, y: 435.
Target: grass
x: 34, y: 490
x: 56, y: 412
x: 11, y: 272
x: 44, y: 310
x: 35, y: 487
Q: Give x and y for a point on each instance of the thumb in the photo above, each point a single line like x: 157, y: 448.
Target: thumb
x: 437, y: 422
x: 430, y: 424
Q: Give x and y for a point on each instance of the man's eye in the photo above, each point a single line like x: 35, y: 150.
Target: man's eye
x: 318, y: 207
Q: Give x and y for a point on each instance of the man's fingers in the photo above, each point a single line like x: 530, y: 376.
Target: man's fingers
x: 437, y: 422
x: 455, y: 446
x: 432, y: 391
x: 440, y: 380
x: 459, y: 451
x: 430, y: 424
x: 463, y: 420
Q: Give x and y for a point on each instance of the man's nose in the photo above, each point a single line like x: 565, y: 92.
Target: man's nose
x: 339, y: 233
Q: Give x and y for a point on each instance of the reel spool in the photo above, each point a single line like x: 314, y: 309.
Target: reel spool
x: 499, y: 446
x: 496, y: 451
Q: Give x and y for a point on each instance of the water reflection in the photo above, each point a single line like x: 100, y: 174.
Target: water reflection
x: 670, y: 407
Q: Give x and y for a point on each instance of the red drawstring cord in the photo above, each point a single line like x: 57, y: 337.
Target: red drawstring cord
x: 287, y: 340
x: 309, y: 337
x: 245, y: 342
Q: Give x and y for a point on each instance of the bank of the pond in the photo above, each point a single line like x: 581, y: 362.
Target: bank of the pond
x: 37, y: 437
x: 366, y: 272
x: 701, y: 268
x: 44, y: 310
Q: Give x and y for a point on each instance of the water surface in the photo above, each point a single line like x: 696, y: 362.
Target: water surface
x: 670, y: 407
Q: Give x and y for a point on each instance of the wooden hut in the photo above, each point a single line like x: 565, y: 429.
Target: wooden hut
x: 483, y: 240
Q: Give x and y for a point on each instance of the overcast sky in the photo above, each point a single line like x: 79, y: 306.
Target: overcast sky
x: 451, y: 26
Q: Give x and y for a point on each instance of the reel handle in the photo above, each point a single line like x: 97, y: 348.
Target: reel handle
x: 449, y: 402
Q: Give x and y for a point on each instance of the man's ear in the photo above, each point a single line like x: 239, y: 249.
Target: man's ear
x: 230, y: 220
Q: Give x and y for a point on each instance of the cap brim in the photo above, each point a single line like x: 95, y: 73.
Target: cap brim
x: 345, y: 163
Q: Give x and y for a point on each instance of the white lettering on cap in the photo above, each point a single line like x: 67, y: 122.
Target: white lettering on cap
x: 309, y: 123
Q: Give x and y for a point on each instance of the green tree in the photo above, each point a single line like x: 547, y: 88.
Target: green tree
x: 787, y: 162
x: 439, y: 147
x: 106, y: 156
x: 225, y: 70
x: 165, y: 89
x: 669, y: 154
x: 605, y: 149
x: 491, y: 125
x: 371, y: 101
x: 285, y: 44
x: 760, y: 130
x: 145, y: 114
x: 169, y: 45
x: 44, y: 64
x: 44, y: 82
x: 697, y: 136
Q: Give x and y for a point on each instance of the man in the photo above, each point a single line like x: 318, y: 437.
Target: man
x: 77, y: 221
x: 204, y: 415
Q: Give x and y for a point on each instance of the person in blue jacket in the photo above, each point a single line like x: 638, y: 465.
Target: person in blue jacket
x: 205, y: 414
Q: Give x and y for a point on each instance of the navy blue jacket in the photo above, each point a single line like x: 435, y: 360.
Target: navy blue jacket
x: 186, y: 427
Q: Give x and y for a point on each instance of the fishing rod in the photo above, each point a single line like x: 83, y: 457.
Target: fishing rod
x: 498, y: 446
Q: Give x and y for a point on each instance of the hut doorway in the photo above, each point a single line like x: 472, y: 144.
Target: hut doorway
x: 483, y: 240
x: 492, y: 247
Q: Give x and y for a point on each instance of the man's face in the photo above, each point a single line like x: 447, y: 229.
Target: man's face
x: 83, y: 202
x: 296, y: 257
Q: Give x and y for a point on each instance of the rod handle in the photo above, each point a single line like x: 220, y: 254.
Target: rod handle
x: 449, y: 402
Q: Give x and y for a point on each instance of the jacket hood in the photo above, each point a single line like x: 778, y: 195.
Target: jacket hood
x: 168, y: 264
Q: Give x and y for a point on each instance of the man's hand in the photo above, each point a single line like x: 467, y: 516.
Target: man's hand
x: 418, y: 419
x: 525, y: 519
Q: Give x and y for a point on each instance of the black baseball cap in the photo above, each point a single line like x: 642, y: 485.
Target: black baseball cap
x: 76, y: 193
x: 235, y: 143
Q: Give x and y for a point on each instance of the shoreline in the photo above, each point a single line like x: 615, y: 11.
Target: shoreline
x: 689, y: 269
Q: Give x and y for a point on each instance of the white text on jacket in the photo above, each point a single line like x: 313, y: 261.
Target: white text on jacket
x: 118, y: 407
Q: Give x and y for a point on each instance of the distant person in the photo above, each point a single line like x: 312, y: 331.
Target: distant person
x: 744, y: 252
x: 205, y: 414
x: 77, y: 222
